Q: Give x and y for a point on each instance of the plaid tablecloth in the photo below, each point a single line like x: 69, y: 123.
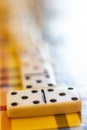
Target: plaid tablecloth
x: 10, y: 79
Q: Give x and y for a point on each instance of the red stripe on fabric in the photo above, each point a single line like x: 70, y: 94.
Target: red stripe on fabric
x: 3, y: 108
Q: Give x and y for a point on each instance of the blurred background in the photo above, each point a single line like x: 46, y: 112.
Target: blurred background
x: 61, y: 23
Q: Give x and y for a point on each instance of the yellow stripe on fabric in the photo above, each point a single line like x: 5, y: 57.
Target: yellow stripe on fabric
x: 50, y: 129
x: 2, y: 97
x: 73, y: 119
x: 12, y: 71
x: 0, y: 63
x: 15, y: 88
x: 61, y: 121
x: 35, y: 123
x: 14, y: 81
x: 5, y: 121
x: 46, y: 122
x: 12, y: 62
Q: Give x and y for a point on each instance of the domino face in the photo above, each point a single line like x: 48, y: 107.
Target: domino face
x: 33, y: 67
x: 37, y: 81
x: 41, y: 102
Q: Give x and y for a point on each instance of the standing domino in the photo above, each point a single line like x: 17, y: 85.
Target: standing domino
x: 41, y: 102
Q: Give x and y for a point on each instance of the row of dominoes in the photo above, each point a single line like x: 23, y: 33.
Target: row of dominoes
x: 34, y: 70
x: 39, y: 96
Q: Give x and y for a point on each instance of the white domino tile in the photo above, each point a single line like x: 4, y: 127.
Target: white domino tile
x: 33, y: 67
x: 38, y: 81
x: 61, y: 94
x: 25, y: 97
x: 41, y: 102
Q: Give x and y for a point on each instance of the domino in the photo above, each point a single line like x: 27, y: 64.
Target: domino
x: 31, y: 53
x: 42, y: 102
x: 29, y: 56
x: 33, y: 67
x: 38, y: 81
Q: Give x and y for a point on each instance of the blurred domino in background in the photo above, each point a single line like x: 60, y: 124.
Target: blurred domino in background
x: 38, y: 81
